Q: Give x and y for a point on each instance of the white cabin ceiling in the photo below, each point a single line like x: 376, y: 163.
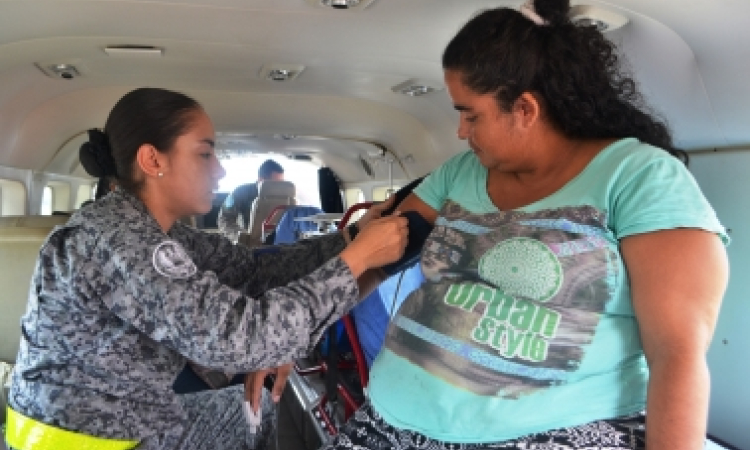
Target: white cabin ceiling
x: 689, y: 57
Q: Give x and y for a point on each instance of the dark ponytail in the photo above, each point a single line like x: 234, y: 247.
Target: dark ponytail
x: 143, y: 116
x: 96, y: 158
x: 575, y: 69
x: 96, y: 155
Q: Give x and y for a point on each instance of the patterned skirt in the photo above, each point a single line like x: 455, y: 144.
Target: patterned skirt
x: 367, y: 430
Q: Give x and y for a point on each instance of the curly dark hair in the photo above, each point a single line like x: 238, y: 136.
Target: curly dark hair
x: 575, y: 70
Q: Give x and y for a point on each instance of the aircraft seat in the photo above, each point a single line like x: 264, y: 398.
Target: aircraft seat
x: 270, y: 195
x: 289, y: 229
x: 21, y: 237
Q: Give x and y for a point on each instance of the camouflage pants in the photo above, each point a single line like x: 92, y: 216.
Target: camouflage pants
x: 216, y: 421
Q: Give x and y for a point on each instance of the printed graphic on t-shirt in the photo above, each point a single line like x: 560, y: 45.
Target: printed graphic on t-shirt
x: 511, y: 301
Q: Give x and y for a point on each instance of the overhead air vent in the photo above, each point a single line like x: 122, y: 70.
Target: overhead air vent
x: 416, y: 88
x: 133, y: 50
x: 366, y: 167
x: 61, y: 71
x: 281, y: 72
x: 603, y: 19
x: 300, y: 157
x: 342, y: 4
x: 285, y: 136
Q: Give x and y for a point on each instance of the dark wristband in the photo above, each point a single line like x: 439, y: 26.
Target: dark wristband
x: 353, y: 230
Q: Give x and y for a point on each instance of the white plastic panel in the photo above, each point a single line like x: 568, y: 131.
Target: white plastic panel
x: 723, y: 178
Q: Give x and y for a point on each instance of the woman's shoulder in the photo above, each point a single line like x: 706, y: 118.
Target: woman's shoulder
x: 190, y: 236
x: 630, y: 157
x: 633, y: 151
x: 463, y: 163
x: 106, y: 213
x: 115, y: 220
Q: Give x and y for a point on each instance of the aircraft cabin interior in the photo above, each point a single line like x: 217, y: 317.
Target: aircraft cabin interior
x: 354, y: 89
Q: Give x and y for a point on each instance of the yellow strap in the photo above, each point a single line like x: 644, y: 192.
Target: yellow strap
x: 24, y: 433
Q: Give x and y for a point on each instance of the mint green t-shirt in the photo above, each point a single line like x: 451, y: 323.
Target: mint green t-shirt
x: 525, y: 321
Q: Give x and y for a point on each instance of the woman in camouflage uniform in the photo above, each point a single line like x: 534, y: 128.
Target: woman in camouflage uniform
x: 123, y: 294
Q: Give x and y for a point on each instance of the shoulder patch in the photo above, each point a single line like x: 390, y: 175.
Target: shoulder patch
x: 172, y: 261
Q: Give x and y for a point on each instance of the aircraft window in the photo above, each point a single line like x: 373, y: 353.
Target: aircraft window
x: 47, y: 198
x: 84, y: 193
x: 244, y: 169
x: 60, y: 196
x: 12, y: 198
x: 352, y: 196
x: 381, y: 193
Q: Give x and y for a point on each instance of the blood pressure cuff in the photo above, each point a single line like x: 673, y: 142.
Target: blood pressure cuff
x: 263, y: 250
x: 401, y: 194
x: 419, y: 229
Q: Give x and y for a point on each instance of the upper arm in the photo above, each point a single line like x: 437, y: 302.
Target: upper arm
x: 430, y: 195
x: 256, y: 270
x: 211, y: 323
x: 677, y: 281
x: 414, y: 203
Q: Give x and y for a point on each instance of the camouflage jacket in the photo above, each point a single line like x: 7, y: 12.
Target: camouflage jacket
x: 116, y: 306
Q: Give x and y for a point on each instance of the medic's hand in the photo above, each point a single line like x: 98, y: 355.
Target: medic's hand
x: 376, y: 211
x: 254, y: 384
x: 380, y: 242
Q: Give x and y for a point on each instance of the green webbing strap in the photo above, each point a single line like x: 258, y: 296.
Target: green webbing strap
x: 24, y: 433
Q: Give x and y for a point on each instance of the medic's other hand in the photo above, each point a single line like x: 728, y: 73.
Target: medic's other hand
x: 254, y: 384
x: 380, y: 242
x: 375, y: 212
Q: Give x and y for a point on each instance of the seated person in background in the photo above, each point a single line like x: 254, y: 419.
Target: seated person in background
x: 234, y: 214
x: 575, y: 271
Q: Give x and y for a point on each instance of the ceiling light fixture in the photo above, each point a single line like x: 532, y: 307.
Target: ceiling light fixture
x: 281, y: 72
x: 341, y: 4
x: 604, y: 20
x: 63, y: 71
x: 350, y: 5
x: 415, y: 88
